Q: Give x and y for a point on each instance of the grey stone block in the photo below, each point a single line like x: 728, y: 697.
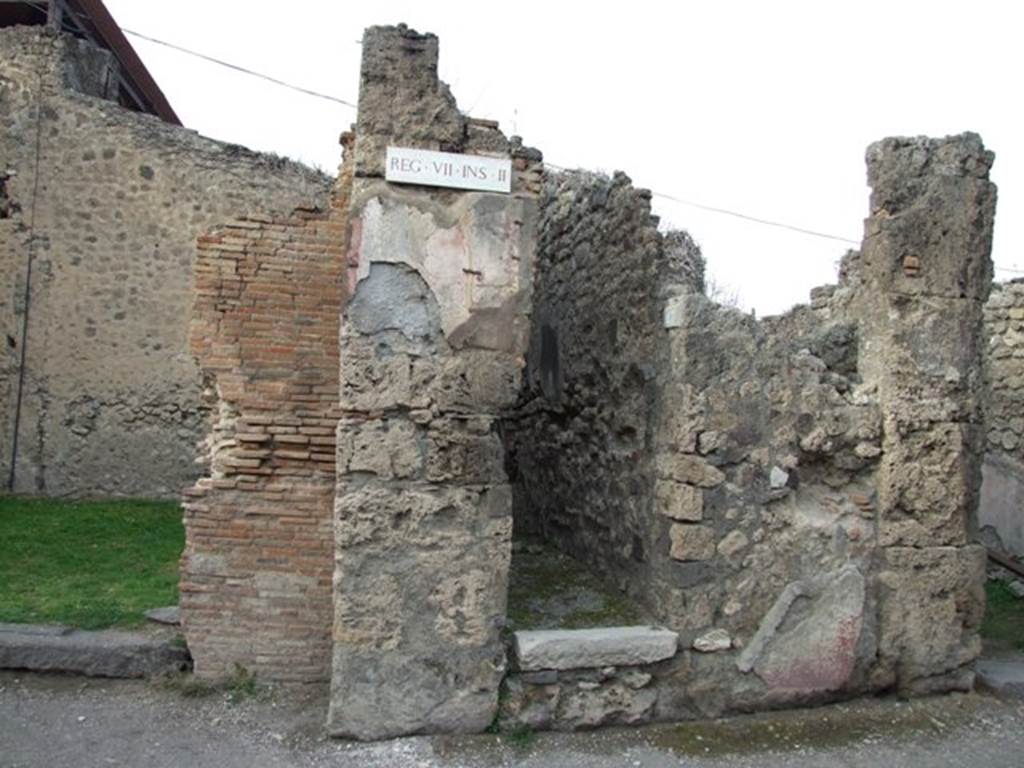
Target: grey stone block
x: 169, y: 615
x: 106, y: 653
x: 1002, y: 675
x: 599, y: 647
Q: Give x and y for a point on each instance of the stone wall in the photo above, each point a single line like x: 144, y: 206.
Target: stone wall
x: 432, y: 342
x: 257, y: 566
x: 1002, y: 492
x: 112, y: 202
x: 580, y: 442
x: 805, y: 486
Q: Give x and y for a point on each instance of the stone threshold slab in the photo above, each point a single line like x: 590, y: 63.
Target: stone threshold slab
x: 598, y: 647
x: 104, y: 653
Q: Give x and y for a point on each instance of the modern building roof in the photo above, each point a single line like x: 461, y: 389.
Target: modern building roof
x: 90, y: 20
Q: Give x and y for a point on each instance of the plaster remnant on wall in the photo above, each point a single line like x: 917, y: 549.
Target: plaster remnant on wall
x: 432, y: 343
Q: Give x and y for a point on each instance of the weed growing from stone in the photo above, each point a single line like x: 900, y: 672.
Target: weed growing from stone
x: 521, y: 736
x: 240, y: 685
x: 186, y: 684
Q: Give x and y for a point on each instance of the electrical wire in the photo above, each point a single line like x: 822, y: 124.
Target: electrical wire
x: 237, y: 68
x: 655, y: 193
x: 663, y: 195
x: 27, y: 296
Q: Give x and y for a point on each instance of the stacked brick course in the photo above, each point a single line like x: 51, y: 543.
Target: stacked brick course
x: 256, y: 584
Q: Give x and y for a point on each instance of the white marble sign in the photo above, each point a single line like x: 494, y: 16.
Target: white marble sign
x: 446, y: 169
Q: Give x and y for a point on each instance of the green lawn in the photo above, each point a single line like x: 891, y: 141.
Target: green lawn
x: 88, y: 564
x: 1003, y: 627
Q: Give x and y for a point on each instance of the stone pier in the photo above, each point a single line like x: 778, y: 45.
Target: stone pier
x: 432, y: 346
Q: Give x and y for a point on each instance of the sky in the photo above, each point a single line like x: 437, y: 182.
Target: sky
x: 760, y: 108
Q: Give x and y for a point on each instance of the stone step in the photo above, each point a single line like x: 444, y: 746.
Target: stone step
x: 105, y: 653
x: 588, y: 648
x: 1006, y: 675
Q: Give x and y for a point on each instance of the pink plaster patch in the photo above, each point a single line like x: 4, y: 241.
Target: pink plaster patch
x: 823, y: 666
x: 354, y: 256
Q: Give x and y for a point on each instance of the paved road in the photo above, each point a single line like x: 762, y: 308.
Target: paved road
x: 63, y: 721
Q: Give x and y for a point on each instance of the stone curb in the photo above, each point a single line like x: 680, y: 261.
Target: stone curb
x: 104, y: 653
x: 1004, y: 675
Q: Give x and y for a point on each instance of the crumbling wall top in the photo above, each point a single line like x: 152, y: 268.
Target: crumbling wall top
x: 403, y: 102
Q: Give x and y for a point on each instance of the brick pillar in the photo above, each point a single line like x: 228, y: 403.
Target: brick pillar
x: 927, y: 274
x: 432, y: 345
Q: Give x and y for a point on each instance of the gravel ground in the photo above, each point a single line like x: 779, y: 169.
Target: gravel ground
x: 48, y: 720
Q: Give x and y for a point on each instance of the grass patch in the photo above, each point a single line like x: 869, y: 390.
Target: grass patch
x: 87, y: 564
x: 550, y: 590
x: 1004, y: 617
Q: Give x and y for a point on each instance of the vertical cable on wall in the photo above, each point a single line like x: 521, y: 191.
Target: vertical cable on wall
x: 28, y: 288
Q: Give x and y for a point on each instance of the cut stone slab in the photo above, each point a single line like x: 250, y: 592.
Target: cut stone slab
x: 169, y: 615
x: 599, y: 647
x: 818, y: 651
x: 1005, y: 675
x: 107, y: 653
x: 49, y: 630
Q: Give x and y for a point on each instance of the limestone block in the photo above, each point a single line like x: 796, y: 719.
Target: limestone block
x: 375, y: 515
x: 930, y: 348
x: 922, y: 186
x: 591, y: 648
x: 778, y: 478
x: 679, y: 501
x: 384, y: 447
x: 928, y: 484
x: 473, y: 380
x: 692, y: 542
x: 375, y: 379
x: 378, y: 696
x: 416, y: 625
x: 455, y: 453
x: 931, y: 606
x: 712, y: 641
x: 687, y: 468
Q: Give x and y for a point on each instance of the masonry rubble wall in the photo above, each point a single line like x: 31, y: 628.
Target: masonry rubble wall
x: 581, y: 443
x: 1002, y: 492
x: 794, y: 499
x: 432, y: 342
x: 112, y: 202
x: 810, y: 481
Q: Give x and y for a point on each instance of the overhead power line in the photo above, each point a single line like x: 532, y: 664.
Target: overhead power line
x: 655, y: 193
x: 756, y: 219
x: 237, y: 68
